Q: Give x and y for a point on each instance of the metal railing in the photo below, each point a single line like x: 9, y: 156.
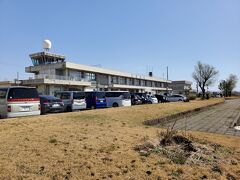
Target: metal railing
x: 57, y: 77
x: 88, y: 79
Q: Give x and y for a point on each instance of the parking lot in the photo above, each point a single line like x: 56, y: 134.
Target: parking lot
x: 218, y: 119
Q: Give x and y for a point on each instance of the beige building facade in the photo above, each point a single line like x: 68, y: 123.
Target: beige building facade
x: 52, y: 73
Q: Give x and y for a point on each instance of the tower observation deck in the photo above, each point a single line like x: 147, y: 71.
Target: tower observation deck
x: 42, y: 58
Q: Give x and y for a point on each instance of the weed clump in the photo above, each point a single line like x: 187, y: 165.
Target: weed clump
x: 183, y: 149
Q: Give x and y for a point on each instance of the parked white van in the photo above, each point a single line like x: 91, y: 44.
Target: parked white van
x: 19, y: 101
x: 118, y: 98
x: 73, y: 100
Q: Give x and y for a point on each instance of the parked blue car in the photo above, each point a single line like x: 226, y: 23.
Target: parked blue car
x: 95, y: 99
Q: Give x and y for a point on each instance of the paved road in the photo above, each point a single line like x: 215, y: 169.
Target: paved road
x: 217, y: 119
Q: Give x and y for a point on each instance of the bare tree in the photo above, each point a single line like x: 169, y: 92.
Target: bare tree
x: 227, y: 86
x: 233, y: 79
x: 204, y: 75
x: 223, y: 87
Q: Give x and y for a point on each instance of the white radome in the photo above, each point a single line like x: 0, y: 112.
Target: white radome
x: 47, y: 44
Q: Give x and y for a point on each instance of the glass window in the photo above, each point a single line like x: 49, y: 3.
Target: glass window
x: 22, y: 93
x: 117, y: 94
x: 114, y: 80
x: 108, y: 94
x: 126, y: 95
x: 113, y: 94
x: 100, y: 94
x: 65, y: 95
x: 122, y: 80
x: 78, y: 95
x: 90, y: 76
x: 88, y: 94
x: 48, y: 97
x: 178, y: 96
x: 137, y: 82
x: 3, y: 93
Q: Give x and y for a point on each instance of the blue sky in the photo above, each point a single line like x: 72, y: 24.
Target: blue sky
x: 126, y: 35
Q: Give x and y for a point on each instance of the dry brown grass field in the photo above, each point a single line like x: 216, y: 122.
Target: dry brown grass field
x: 99, y: 144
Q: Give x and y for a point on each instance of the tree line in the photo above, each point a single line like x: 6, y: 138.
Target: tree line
x: 206, y: 75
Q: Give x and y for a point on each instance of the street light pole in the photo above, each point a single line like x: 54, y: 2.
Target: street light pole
x: 167, y: 79
x: 167, y: 72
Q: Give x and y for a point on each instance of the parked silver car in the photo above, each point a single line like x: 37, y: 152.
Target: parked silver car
x: 151, y: 99
x: 176, y: 97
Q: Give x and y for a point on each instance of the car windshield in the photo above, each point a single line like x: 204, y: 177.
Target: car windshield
x: 126, y: 95
x: 100, y: 94
x: 138, y: 97
x: 65, y: 95
x: 19, y: 93
x: 142, y: 95
x: 151, y: 96
x: 176, y: 95
x: 49, y: 97
x: 78, y: 95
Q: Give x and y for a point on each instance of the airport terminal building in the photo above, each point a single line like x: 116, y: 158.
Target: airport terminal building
x: 53, y: 73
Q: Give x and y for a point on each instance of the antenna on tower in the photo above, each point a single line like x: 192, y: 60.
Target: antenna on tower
x: 47, y: 45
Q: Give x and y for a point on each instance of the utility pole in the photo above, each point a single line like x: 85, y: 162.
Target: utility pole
x: 167, y: 79
x: 17, y: 80
x: 167, y: 72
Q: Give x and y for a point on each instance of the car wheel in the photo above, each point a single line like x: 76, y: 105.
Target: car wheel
x: 43, y: 113
x: 69, y: 109
x: 93, y: 107
x: 180, y: 100
x: 115, y: 105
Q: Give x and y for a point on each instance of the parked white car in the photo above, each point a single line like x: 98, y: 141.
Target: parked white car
x: 19, y: 101
x: 73, y: 100
x: 152, y: 99
x: 118, y: 98
x: 176, y: 97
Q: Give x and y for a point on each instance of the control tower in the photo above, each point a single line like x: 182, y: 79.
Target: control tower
x: 45, y: 57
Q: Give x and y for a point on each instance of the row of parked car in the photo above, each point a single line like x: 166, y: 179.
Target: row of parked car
x: 143, y: 98
x: 23, y: 101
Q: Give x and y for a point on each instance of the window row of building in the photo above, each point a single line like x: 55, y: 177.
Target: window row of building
x: 136, y: 82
